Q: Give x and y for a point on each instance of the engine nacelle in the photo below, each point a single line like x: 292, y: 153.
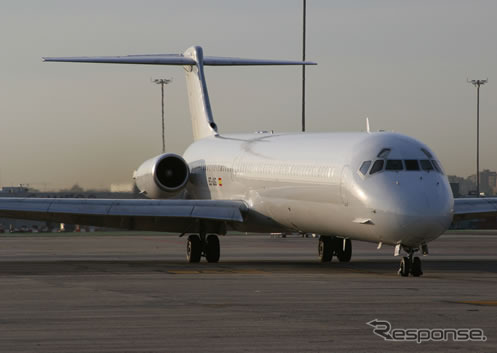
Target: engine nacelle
x: 162, y: 177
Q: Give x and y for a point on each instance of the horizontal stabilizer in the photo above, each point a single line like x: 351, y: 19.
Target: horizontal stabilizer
x: 159, y: 59
x: 193, y: 61
x: 223, y: 61
x: 175, y: 59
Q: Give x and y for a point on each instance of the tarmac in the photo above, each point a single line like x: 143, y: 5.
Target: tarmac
x: 134, y: 292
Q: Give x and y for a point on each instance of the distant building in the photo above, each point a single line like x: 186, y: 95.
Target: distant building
x: 488, y: 182
x: 460, y: 186
x: 455, y: 189
x: 14, y: 190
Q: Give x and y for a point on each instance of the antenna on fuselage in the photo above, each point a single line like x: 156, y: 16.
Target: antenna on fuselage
x: 368, y: 130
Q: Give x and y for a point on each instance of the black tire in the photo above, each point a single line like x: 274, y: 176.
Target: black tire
x: 336, y: 244
x: 193, y: 248
x: 416, y: 270
x: 344, y: 255
x: 325, y: 248
x: 404, y: 267
x: 212, y: 248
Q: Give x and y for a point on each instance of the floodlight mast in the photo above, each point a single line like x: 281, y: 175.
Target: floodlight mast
x: 162, y: 82
x: 477, y: 84
x: 304, y: 6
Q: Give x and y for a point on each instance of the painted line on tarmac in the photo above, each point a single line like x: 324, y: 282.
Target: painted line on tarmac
x: 217, y: 272
x: 478, y: 302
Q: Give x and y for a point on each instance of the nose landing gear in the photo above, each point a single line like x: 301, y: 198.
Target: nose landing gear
x: 410, y: 264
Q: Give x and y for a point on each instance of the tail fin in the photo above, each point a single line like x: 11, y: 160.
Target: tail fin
x: 203, y: 124
x: 193, y: 61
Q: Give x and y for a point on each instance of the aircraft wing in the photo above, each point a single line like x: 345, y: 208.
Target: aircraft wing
x: 466, y: 208
x: 159, y: 215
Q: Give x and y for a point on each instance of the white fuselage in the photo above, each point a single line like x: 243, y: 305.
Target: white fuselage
x: 310, y: 182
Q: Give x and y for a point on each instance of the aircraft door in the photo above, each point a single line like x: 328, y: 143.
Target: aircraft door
x: 345, y: 181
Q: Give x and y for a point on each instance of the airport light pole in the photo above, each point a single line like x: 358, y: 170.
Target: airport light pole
x: 162, y: 82
x: 477, y: 84
x: 304, y: 6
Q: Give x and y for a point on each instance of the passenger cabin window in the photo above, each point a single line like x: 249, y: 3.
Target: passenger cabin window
x: 365, y: 167
x: 394, y: 164
x: 377, y: 166
x: 411, y: 164
x: 426, y: 164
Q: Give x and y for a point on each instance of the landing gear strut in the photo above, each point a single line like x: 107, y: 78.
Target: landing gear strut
x: 410, y: 264
x: 344, y: 249
x: 200, y: 245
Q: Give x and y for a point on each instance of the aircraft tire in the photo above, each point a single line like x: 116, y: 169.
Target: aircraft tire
x: 193, y: 248
x: 325, y: 249
x: 416, y: 270
x: 212, y: 248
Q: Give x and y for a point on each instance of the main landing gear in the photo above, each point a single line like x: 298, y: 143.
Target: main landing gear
x: 410, y: 264
x: 329, y: 246
x: 202, y: 245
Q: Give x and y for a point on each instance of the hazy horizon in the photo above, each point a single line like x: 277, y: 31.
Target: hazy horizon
x: 402, y: 64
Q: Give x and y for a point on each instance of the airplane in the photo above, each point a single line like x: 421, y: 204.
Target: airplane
x: 380, y: 187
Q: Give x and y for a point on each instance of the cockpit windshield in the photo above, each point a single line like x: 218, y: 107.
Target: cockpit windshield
x: 400, y: 165
x: 426, y: 164
x: 394, y: 164
x: 377, y: 166
x: 411, y: 164
x: 383, y: 163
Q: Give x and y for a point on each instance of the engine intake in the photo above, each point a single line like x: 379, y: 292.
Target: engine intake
x: 171, y: 172
x: 163, y: 176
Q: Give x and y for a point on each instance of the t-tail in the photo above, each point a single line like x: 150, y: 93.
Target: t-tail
x: 193, y: 61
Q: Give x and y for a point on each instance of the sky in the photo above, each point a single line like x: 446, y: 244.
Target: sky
x: 403, y: 64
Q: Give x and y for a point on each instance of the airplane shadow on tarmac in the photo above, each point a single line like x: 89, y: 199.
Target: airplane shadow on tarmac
x: 115, y: 267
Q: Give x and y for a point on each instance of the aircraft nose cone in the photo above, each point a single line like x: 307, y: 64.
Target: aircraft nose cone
x: 413, y: 216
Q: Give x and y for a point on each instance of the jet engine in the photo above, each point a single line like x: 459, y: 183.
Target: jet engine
x: 162, y: 177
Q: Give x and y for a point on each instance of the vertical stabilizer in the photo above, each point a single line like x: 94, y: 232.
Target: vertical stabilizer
x: 193, y: 61
x: 203, y: 124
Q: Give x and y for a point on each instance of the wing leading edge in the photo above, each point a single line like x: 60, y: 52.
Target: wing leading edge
x: 475, y: 207
x: 158, y: 215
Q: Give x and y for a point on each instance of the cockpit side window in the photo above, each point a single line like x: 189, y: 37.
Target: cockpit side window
x: 377, y: 166
x: 384, y: 153
x: 437, y: 167
x: 411, y: 164
x: 394, y: 164
x: 428, y: 154
x: 365, y: 167
x: 426, y: 164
